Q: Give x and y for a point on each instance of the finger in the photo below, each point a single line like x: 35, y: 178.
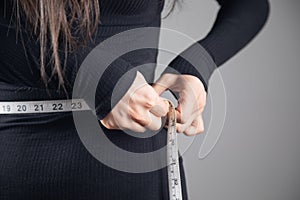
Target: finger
x: 107, y: 125
x: 155, y: 123
x: 134, y: 126
x: 190, y: 131
x: 181, y: 127
x: 161, y: 108
x: 127, y: 123
x: 109, y: 122
x: 141, y: 118
x: 196, y: 127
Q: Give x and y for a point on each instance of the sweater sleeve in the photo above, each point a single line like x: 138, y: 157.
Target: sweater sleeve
x: 237, y: 23
x: 103, y: 87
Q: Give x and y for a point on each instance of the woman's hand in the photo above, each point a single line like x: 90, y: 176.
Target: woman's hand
x: 191, y: 102
x: 139, y: 109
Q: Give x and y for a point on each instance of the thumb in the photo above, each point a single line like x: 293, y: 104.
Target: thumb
x: 163, y: 83
x: 159, y: 88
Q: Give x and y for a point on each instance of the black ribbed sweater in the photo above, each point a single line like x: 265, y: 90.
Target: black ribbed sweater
x: 41, y: 155
x: 238, y: 21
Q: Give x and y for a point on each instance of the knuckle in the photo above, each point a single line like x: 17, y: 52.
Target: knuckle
x: 202, y: 104
x: 200, y: 129
x: 141, y: 119
x: 150, y: 103
x: 180, y: 129
x: 190, y: 131
x: 187, y: 133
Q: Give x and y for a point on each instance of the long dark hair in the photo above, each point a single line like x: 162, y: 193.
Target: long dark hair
x: 51, y: 20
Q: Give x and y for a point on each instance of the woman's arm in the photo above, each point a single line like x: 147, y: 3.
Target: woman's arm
x: 237, y: 23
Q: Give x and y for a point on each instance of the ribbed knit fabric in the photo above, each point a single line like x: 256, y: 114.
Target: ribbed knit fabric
x: 42, y: 156
x: 237, y: 23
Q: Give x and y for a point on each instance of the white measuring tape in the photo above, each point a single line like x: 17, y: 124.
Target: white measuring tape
x: 51, y: 106
x: 174, y: 179
x: 48, y: 106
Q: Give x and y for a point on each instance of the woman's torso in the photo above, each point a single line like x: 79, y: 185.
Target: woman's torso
x: 42, y: 156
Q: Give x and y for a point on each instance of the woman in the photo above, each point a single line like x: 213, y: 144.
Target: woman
x: 44, y: 43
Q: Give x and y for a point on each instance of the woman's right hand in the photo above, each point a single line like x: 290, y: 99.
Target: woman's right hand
x: 141, y: 108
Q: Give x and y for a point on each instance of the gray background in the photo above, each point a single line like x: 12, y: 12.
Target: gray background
x: 257, y: 156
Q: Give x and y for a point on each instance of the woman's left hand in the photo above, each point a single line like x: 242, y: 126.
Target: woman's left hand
x: 191, y: 101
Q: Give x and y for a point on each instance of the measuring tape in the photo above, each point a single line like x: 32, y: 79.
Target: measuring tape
x: 51, y: 106
x: 174, y: 179
x: 48, y: 106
